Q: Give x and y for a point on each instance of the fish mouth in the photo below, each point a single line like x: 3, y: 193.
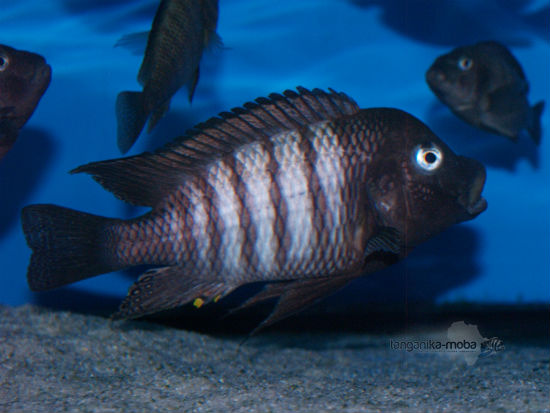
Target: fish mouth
x: 473, y: 202
x: 477, y: 208
x: 46, y: 73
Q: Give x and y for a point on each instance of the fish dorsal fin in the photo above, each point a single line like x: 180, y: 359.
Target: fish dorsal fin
x: 147, y: 178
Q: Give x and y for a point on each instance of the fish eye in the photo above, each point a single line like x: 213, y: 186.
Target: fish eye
x: 429, y: 159
x: 465, y: 63
x: 4, y: 62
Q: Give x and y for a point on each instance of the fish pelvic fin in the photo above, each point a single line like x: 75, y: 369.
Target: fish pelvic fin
x: 131, y: 114
x: 67, y: 246
x: 534, y: 128
x: 169, y: 287
x: 294, y: 296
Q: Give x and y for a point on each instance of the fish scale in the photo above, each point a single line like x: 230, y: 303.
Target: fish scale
x: 223, y: 247
x: 304, y: 191
x: 301, y: 252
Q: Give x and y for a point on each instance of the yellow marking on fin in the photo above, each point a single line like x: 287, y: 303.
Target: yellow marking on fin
x: 198, y: 302
x: 217, y: 298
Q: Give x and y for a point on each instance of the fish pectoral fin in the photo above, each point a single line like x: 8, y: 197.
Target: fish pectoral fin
x: 387, y: 239
x: 506, y: 112
x: 134, y: 42
x: 295, y: 296
x: 169, y: 287
x: 506, y: 99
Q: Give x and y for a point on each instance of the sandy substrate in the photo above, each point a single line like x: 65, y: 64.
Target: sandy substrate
x: 52, y: 361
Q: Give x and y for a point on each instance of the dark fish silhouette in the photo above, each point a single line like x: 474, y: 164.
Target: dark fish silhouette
x: 24, y: 77
x: 303, y: 190
x: 180, y: 32
x: 484, y: 85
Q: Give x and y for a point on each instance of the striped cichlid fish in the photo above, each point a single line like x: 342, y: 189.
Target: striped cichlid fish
x: 302, y: 190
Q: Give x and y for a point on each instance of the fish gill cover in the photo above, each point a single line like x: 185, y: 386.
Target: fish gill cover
x: 352, y: 46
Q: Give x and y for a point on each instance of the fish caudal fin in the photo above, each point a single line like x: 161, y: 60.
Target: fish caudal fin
x: 131, y: 116
x: 67, y: 246
x: 534, y: 124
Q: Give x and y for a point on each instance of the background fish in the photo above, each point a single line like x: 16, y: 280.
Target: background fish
x: 180, y: 32
x: 304, y: 190
x: 484, y: 85
x: 24, y: 77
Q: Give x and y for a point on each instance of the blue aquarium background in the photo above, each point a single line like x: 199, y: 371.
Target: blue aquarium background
x: 376, y: 51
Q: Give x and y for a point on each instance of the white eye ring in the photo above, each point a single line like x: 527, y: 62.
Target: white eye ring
x: 429, y: 159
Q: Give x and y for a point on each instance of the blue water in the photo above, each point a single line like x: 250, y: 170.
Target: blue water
x: 375, y: 51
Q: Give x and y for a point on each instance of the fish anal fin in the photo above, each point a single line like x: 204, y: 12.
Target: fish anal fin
x: 297, y: 295
x: 157, y: 115
x: 169, y: 287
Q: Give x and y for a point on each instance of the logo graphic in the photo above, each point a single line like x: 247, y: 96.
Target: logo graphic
x: 490, y: 346
x: 463, y: 340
